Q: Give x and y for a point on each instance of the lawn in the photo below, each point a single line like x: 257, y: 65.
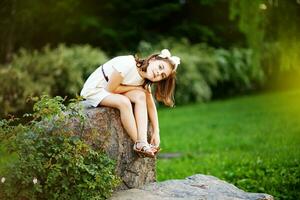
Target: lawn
x: 250, y: 141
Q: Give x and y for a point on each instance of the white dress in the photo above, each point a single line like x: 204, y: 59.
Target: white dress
x: 94, y: 88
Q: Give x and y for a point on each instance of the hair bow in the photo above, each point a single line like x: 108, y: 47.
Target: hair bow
x: 165, y: 53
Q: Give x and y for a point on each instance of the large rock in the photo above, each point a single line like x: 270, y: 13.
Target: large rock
x: 197, y: 187
x: 103, y: 130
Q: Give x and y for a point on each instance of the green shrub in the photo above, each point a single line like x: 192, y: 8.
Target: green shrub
x: 60, y: 71
x: 238, y: 72
x: 51, y: 161
x: 205, y: 71
x: 197, y: 71
x: 16, y: 86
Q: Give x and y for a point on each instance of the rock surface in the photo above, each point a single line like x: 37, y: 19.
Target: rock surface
x: 196, y: 187
x: 104, y: 130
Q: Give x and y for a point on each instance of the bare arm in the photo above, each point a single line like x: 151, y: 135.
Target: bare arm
x: 152, y: 112
x: 114, y: 81
x: 114, y: 84
x: 125, y: 88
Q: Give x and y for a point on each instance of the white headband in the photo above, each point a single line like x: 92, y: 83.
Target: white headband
x: 165, y: 53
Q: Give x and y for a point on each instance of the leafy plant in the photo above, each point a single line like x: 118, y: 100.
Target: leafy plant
x: 51, y: 162
x: 59, y: 71
x: 205, y: 71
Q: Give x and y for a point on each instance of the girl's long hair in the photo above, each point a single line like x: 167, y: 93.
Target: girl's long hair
x: 164, y: 91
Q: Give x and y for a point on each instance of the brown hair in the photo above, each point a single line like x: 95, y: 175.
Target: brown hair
x: 164, y: 91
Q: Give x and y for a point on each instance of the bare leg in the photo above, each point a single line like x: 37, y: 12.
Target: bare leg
x: 122, y: 103
x: 138, y: 97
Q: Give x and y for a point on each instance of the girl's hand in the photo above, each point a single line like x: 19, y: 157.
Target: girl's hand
x: 141, y: 88
x: 147, y: 90
x: 155, y: 139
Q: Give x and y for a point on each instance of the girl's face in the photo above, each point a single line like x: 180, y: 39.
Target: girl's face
x: 158, y: 70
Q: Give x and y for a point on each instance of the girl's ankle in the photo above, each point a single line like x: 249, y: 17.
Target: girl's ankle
x: 140, y: 144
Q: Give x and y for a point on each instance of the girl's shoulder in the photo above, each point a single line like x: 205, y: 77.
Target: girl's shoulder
x: 125, y: 64
x: 124, y: 61
x: 124, y: 58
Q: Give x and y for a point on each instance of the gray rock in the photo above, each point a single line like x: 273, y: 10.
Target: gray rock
x: 103, y: 130
x: 196, y: 187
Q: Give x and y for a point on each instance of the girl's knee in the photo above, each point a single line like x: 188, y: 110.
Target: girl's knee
x: 139, y: 96
x: 124, y: 102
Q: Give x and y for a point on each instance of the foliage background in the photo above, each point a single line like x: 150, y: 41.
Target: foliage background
x: 228, y: 49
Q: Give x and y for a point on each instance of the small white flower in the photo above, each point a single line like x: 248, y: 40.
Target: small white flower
x: 2, y: 180
x: 35, y: 181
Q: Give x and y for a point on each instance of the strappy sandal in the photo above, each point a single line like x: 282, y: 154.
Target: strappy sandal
x: 144, y: 151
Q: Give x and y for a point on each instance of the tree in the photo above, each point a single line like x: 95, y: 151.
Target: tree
x: 272, y: 30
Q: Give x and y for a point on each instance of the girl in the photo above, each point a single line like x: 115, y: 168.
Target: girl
x: 126, y: 80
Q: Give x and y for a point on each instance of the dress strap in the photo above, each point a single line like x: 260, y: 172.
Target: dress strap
x: 106, y: 78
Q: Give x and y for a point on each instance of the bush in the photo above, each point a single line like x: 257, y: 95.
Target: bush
x: 60, y: 71
x: 197, y: 71
x: 205, y: 70
x: 51, y: 162
x: 16, y: 86
x: 238, y: 72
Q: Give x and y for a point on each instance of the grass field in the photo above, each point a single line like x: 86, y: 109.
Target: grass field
x: 250, y: 141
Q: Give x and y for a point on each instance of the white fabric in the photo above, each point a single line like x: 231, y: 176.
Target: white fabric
x: 94, y: 87
x: 165, y: 53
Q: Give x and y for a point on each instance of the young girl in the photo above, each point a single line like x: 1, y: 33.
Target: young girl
x: 127, y: 80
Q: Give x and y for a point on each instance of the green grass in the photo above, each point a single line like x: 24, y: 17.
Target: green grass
x: 250, y: 141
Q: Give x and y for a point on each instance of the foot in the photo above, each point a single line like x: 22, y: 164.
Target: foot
x: 144, y: 149
x: 156, y: 149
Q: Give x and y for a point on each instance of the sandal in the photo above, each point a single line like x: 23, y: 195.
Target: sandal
x: 145, y: 150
